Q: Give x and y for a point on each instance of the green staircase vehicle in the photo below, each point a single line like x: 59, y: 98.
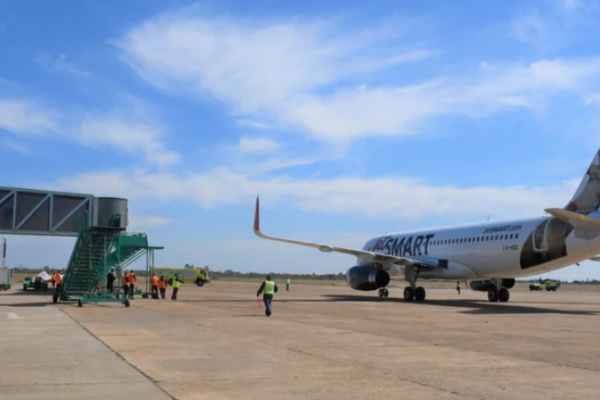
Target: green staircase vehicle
x: 96, y: 251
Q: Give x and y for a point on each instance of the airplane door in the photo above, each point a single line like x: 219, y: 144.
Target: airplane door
x: 540, y: 237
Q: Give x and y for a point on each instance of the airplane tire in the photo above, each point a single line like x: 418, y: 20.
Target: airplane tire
x: 420, y: 294
x: 493, y: 295
x: 409, y: 293
x: 504, y: 295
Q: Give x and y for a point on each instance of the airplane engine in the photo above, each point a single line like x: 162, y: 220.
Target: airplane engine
x: 487, y: 285
x: 366, y: 278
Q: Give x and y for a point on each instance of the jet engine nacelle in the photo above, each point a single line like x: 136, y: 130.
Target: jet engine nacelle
x: 484, y: 286
x: 366, y: 278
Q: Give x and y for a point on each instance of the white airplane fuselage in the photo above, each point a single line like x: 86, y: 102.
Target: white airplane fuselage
x: 490, y: 254
x: 501, y: 249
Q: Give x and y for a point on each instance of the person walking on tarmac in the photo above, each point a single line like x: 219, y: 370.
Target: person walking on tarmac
x: 58, y: 278
x: 131, y: 278
x: 175, y: 286
x: 268, y: 288
x: 125, y: 283
x: 458, y: 286
x: 287, y: 284
x: 162, y: 286
x: 154, y: 286
x: 111, y: 277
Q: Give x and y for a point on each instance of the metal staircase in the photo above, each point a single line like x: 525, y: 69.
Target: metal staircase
x: 90, y: 262
x: 96, y: 251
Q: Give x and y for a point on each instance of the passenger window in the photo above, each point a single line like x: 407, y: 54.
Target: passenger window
x: 511, y: 235
x: 516, y: 236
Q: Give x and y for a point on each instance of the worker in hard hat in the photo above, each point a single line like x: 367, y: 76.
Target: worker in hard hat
x: 268, y: 288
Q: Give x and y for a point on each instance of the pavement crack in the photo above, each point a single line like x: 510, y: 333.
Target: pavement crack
x: 148, y: 377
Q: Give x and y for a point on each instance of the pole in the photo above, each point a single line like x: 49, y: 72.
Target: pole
x: 4, y: 253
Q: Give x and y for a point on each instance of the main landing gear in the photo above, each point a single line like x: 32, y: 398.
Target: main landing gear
x: 413, y: 292
x: 501, y: 294
x: 383, y: 292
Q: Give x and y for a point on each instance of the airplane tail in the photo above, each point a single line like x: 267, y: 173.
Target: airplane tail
x: 586, y: 199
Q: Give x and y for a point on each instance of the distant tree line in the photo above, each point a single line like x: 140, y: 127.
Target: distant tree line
x: 230, y: 274
x: 275, y: 275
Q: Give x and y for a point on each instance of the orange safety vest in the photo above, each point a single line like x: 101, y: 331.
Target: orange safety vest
x: 162, y: 284
x: 58, y: 279
x: 131, y: 278
x: 125, y: 280
x: 155, y: 281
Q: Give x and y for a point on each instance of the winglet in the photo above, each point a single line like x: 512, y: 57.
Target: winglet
x: 257, y: 217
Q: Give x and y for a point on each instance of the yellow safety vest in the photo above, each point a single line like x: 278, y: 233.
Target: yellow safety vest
x: 175, y: 284
x: 287, y: 281
x: 269, y: 287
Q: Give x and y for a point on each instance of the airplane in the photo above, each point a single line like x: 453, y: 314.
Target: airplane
x: 488, y: 256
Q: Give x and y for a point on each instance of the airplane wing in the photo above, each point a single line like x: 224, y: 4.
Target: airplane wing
x: 361, y: 254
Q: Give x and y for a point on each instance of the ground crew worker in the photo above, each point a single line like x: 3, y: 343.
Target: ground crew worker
x: 125, y: 283
x: 175, y: 286
x: 111, y: 277
x: 154, y: 286
x: 269, y: 288
x: 132, y: 283
x: 162, y: 286
x: 458, y: 286
x: 287, y: 284
x: 58, y: 279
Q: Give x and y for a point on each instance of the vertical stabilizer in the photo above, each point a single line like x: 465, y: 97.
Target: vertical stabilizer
x: 587, y: 197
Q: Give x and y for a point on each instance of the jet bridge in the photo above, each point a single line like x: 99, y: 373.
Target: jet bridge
x: 50, y: 213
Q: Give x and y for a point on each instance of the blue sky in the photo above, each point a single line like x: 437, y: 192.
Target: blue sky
x: 349, y: 118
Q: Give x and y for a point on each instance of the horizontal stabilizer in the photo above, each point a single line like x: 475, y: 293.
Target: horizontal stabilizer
x: 579, y: 221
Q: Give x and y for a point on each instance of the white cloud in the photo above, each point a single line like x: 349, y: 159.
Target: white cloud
x: 568, y: 4
x: 25, y: 117
x: 320, y: 78
x: 60, y: 63
x: 257, y: 145
x: 129, y: 128
x: 393, y: 198
x: 15, y: 146
x: 145, y: 222
x: 532, y: 27
x: 128, y: 135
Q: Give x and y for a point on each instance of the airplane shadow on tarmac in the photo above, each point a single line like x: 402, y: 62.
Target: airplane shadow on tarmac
x: 475, y: 307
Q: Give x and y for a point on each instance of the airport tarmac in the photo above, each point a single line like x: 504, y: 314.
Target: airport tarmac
x: 323, y: 342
